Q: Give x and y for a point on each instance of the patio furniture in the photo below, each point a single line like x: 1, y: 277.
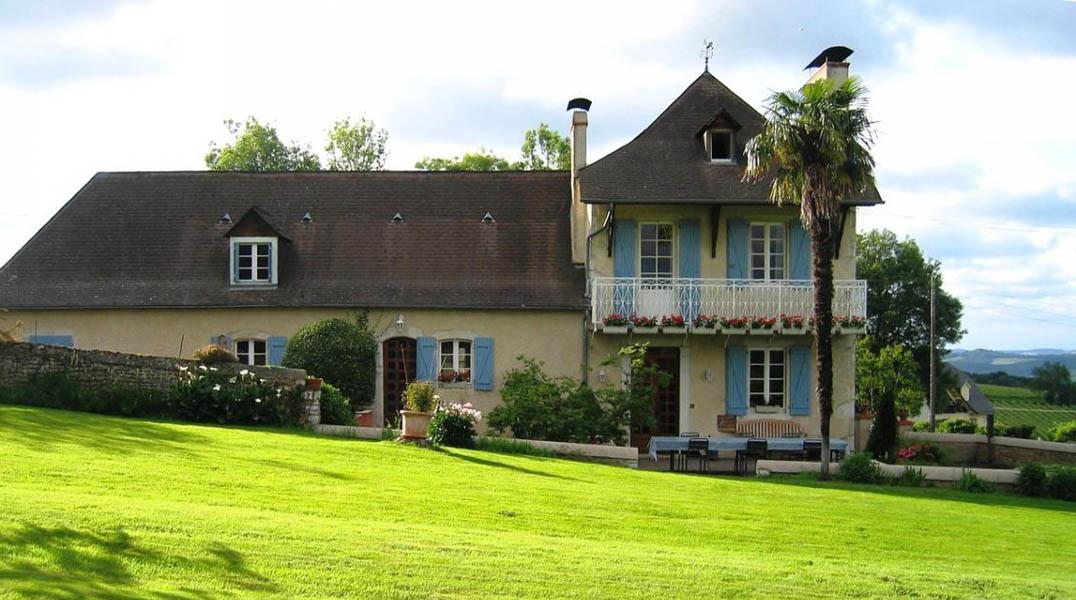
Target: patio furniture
x: 675, y: 445
x: 812, y: 450
x: 768, y: 428
x: 754, y: 449
x: 697, y: 448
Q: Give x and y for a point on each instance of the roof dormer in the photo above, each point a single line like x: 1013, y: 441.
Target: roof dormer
x: 254, y: 250
x: 719, y: 138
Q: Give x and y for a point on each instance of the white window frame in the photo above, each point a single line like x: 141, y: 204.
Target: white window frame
x: 766, y: 239
x: 455, y: 366
x: 673, y: 258
x: 274, y: 262
x: 767, y: 379
x: 710, y: 145
x: 252, y: 355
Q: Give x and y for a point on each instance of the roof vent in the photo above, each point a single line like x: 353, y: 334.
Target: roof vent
x: 579, y: 104
x: 307, y: 218
x: 227, y: 218
x: 397, y: 218
x: 487, y: 218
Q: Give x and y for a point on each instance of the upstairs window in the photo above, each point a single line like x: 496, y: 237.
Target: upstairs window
x: 656, y: 251
x: 766, y: 379
x: 254, y: 261
x: 455, y: 361
x: 767, y: 251
x: 720, y: 142
x: 251, y: 352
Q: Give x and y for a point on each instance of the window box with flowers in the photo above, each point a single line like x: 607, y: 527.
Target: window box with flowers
x: 641, y: 324
x: 850, y: 325
x: 794, y: 325
x: 735, y: 325
x: 763, y: 326
x: 615, y: 323
x: 705, y: 325
x: 673, y: 324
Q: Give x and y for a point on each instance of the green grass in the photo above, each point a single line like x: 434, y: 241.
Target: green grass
x: 1021, y: 406
x: 95, y: 506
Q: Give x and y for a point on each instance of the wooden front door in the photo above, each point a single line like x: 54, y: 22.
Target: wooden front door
x: 399, y: 370
x: 666, y: 405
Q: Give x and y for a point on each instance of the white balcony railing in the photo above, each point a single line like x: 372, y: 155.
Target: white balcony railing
x: 728, y: 298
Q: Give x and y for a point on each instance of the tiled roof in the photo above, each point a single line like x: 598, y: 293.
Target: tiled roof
x: 156, y: 240
x: 668, y: 163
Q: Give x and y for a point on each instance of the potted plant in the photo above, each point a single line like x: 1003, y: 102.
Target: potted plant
x: 763, y: 325
x: 793, y: 325
x: 673, y: 324
x: 734, y: 325
x: 641, y: 324
x: 851, y: 325
x: 615, y: 323
x: 419, y: 402
x: 704, y: 325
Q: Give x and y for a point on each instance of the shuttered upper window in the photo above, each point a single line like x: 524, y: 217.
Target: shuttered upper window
x: 656, y: 254
x: 254, y: 261
x: 767, y: 251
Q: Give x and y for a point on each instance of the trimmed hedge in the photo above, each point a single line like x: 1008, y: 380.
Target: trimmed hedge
x: 341, y: 353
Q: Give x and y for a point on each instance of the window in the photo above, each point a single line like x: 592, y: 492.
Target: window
x: 254, y: 260
x: 766, y: 379
x: 656, y: 251
x: 251, y: 352
x: 455, y: 361
x: 720, y: 146
x: 767, y: 251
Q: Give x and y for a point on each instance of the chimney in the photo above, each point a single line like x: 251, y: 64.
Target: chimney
x: 578, y: 215
x: 831, y: 65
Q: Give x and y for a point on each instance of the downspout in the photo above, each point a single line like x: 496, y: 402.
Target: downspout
x: 588, y: 311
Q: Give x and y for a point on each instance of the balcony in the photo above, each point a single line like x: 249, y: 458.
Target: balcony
x: 720, y: 298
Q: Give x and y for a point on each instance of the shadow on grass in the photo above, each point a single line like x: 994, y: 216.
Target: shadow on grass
x: 44, y: 427
x: 60, y: 563
x: 493, y: 463
x: 936, y: 493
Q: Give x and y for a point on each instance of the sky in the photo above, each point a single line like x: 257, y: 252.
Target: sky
x: 976, y: 145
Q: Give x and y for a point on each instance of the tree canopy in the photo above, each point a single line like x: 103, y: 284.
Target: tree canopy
x: 1055, y: 382
x: 256, y: 146
x: 356, y: 147
x: 482, y: 160
x: 890, y: 374
x: 543, y: 149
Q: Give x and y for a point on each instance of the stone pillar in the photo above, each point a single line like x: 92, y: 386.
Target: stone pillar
x: 312, y: 401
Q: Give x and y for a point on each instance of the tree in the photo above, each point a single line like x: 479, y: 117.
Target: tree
x: 483, y: 160
x: 341, y: 352
x: 891, y: 373
x: 356, y: 147
x: 1055, y: 382
x: 816, y: 146
x: 898, y: 297
x: 543, y: 149
x: 257, y: 147
x: 882, y: 441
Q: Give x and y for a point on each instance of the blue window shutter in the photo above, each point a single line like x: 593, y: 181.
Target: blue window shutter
x: 483, y: 363
x: 426, y: 363
x: 799, y: 364
x: 277, y: 343
x: 736, y: 380
x: 799, y: 251
x: 736, y: 245
x: 690, y: 267
x: 624, y: 262
x: 66, y: 341
x: 235, y: 262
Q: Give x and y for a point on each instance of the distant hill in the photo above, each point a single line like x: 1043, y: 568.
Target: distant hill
x: 1020, y: 362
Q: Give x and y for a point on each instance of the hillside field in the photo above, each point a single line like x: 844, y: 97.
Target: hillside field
x: 120, y: 508
x: 1021, y: 406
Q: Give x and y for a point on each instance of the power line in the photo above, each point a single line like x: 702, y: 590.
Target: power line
x: 1027, y: 318
x: 966, y: 223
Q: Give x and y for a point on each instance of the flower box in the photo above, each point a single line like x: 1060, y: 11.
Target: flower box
x: 644, y: 330
x: 705, y: 325
x: 735, y: 326
x: 850, y: 325
x: 615, y: 328
x: 728, y: 330
x: 763, y: 326
x: 762, y: 331
x: 644, y: 325
x: 802, y: 330
x: 767, y: 410
x: 794, y: 325
x: 674, y: 325
x: 852, y: 329
x: 711, y: 330
x: 674, y: 329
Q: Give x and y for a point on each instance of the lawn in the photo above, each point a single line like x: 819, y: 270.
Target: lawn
x: 122, y: 508
x: 1021, y: 406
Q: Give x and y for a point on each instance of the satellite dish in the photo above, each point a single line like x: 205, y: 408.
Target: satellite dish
x: 831, y: 54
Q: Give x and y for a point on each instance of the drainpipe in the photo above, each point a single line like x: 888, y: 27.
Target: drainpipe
x: 588, y: 311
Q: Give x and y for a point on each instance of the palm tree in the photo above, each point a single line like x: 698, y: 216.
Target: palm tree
x: 816, y: 148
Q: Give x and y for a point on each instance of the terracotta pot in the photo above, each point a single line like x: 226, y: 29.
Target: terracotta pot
x: 415, y: 424
x: 364, y: 418
x: 313, y: 384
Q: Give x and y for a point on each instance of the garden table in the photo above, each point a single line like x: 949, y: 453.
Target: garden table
x: 675, y: 445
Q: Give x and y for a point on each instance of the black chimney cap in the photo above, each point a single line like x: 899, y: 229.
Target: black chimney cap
x: 831, y: 54
x: 580, y: 103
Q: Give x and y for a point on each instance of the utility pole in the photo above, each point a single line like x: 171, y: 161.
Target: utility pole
x: 933, y: 346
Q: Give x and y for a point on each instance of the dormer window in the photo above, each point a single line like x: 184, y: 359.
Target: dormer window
x: 254, y: 260
x: 719, y: 144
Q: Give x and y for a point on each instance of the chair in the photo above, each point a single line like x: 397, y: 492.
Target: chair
x: 812, y: 450
x: 756, y: 449
x: 698, y: 448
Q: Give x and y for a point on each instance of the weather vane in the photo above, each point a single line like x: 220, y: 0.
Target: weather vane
x: 706, y: 53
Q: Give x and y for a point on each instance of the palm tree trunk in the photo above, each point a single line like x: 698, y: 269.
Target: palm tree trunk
x: 822, y: 267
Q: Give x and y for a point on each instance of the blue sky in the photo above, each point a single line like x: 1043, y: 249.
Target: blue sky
x: 976, y: 146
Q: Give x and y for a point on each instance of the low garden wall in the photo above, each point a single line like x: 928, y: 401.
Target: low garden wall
x: 944, y: 475
x: 20, y: 361
x: 1004, y: 451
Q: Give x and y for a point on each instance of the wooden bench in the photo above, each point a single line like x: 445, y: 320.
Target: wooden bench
x: 768, y: 428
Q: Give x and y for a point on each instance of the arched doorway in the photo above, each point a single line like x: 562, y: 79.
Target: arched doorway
x: 399, y: 361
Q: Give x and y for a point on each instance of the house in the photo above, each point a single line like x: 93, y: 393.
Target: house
x: 464, y: 272
x: 960, y: 398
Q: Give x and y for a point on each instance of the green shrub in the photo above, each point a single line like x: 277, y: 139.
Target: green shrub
x: 214, y: 355
x: 420, y: 396
x: 209, y: 395
x: 1024, y: 432
x: 510, y: 446
x: 1061, y: 483
x: 339, y: 352
x: 970, y: 482
x: 921, y: 426
x: 882, y: 442
x: 1032, y: 480
x: 910, y: 477
x: 59, y: 390
x: 538, y: 406
x: 859, y: 467
x: 956, y: 426
x: 335, y: 407
x: 1064, y: 432
x: 453, y: 425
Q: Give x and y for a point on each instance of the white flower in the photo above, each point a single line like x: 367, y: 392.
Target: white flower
x: 244, y: 373
x: 261, y: 381
x: 214, y: 369
x: 202, y: 368
x: 216, y: 388
x: 231, y: 380
x: 258, y: 400
x: 183, y: 369
x: 436, y: 396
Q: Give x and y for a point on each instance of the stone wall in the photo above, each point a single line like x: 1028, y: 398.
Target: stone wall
x: 1000, y: 451
x: 20, y: 361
